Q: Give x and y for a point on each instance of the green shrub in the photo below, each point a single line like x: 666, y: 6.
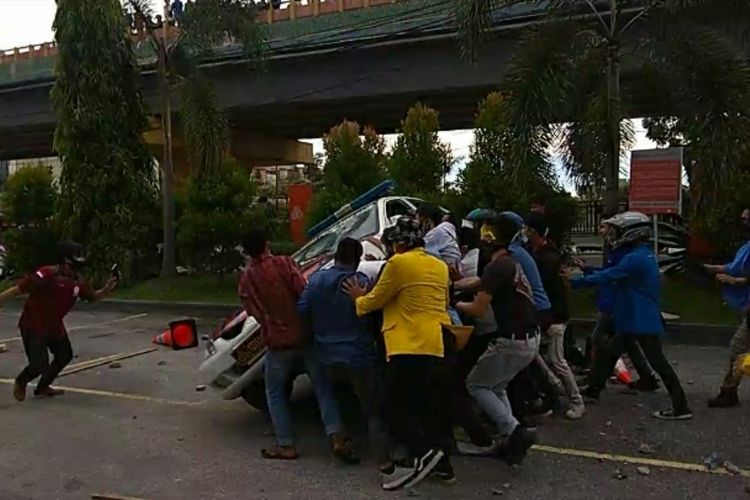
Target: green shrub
x: 28, y: 203
x: 217, y: 213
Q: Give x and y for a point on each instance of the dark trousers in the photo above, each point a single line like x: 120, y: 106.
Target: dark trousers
x: 652, y: 349
x: 461, y: 403
x: 416, y: 388
x: 364, y: 382
x: 37, y: 349
x: 603, y: 339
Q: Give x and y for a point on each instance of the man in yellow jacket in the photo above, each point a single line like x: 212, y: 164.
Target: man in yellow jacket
x: 413, y: 292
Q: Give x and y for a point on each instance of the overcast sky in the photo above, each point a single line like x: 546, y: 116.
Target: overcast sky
x: 26, y: 22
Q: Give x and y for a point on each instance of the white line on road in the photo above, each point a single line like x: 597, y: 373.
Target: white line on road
x: 93, y: 325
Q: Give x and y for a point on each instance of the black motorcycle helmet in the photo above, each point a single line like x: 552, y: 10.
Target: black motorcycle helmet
x: 71, y: 253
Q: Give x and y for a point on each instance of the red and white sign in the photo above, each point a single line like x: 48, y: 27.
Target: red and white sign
x: 299, y: 199
x: 656, y: 181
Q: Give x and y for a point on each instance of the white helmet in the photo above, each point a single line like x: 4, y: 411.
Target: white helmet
x: 630, y: 226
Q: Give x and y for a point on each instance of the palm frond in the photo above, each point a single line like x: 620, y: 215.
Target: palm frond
x: 474, y: 22
x: 709, y: 78
x: 205, y: 126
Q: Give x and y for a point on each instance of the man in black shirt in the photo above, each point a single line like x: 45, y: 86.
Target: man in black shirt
x: 513, y: 346
x: 554, y: 320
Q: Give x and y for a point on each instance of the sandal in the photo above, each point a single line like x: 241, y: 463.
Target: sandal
x: 280, y: 453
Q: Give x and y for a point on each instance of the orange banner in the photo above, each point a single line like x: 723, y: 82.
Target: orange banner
x: 299, y: 199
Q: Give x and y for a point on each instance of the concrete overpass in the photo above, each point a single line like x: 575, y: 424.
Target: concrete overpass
x: 367, y: 65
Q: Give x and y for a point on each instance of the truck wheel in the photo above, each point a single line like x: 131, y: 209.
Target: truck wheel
x: 255, y: 394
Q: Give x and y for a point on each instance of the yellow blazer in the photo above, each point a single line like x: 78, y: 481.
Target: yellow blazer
x: 413, y: 293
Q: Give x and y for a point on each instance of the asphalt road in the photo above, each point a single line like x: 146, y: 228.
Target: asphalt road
x: 142, y: 430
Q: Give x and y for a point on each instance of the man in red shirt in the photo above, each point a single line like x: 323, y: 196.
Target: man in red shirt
x: 52, y: 291
x: 270, y: 287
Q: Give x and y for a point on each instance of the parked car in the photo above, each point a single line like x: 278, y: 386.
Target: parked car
x: 234, y: 353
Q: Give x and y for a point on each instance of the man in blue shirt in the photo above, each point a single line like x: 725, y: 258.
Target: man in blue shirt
x: 736, y: 278
x: 345, y: 345
x: 636, y: 285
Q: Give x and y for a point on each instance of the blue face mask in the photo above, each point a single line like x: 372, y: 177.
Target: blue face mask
x: 521, y: 237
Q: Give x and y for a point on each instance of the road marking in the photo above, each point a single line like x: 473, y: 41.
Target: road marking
x: 654, y: 462
x: 117, y: 395
x: 93, y: 325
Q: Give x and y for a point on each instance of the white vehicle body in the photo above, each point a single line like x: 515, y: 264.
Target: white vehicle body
x: 234, y: 366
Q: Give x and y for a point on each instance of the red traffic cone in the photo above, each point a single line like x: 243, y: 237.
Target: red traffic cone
x: 164, y: 338
x: 622, y: 373
x: 182, y: 334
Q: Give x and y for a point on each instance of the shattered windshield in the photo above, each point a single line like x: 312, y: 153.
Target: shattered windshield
x: 358, y: 225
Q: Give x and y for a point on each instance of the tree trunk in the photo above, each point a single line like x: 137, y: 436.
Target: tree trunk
x: 614, y: 106
x: 168, y: 263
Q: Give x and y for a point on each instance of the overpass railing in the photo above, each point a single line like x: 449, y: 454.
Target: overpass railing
x: 272, y: 11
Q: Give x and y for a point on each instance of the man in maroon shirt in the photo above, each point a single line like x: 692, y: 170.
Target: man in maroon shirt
x: 270, y: 287
x: 52, y: 291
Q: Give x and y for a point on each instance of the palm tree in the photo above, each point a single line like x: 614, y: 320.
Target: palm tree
x: 206, y: 25
x: 588, y: 64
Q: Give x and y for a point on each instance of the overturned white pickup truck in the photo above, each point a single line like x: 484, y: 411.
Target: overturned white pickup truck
x: 234, y: 356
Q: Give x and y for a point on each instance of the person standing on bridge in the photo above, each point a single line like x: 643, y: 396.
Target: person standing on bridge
x: 52, y: 291
x: 736, y: 278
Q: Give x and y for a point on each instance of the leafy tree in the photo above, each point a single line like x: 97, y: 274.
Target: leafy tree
x: 353, y: 164
x: 419, y: 161
x: 569, y: 67
x: 489, y: 180
x: 218, y: 212
x: 107, y: 181
x: 28, y: 202
x: 206, y: 25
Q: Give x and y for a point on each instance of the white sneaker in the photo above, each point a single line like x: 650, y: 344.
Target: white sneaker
x: 472, y: 450
x: 576, y: 412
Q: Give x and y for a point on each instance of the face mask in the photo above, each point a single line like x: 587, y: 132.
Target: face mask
x: 521, y: 237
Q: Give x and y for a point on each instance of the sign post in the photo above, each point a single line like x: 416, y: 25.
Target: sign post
x: 656, y: 184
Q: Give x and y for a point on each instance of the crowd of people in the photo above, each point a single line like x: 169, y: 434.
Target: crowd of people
x: 465, y: 326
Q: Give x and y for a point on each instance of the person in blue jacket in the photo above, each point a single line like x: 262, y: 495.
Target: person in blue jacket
x: 604, y: 329
x: 735, y: 276
x: 636, y: 285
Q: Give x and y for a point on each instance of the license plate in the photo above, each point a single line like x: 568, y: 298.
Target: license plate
x: 249, y: 350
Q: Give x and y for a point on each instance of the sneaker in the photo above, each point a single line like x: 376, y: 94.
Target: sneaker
x: 19, y: 391
x: 472, y: 450
x: 424, y: 466
x: 444, y: 472
x: 576, y: 412
x: 518, y: 445
x: 673, y: 415
x: 644, y: 385
x: 396, y: 477
x: 727, y: 398
x: 48, y: 392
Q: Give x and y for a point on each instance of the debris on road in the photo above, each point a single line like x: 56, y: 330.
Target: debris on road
x: 411, y: 492
x: 3, y: 348
x: 506, y: 486
x: 497, y: 492
x: 161, y: 363
x: 644, y: 471
x: 712, y: 461
x: 200, y: 388
x: 691, y: 382
x: 619, y: 474
x: 645, y: 449
x: 731, y: 468
x: 115, y: 365
x: 608, y: 424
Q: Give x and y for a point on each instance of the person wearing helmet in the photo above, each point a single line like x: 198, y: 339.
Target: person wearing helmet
x: 636, y: 284
x: 51, y: 293
x: 735, y: 276
x: 413, y: 292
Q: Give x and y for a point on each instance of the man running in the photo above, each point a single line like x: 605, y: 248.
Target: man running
x: 52, y: 291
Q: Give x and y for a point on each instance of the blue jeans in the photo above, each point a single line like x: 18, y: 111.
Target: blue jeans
x: 278, y: 368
